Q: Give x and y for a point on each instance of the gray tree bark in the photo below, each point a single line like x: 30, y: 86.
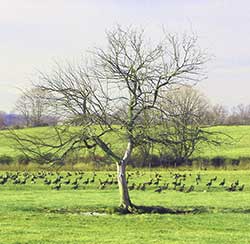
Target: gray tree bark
x: 125, y: 201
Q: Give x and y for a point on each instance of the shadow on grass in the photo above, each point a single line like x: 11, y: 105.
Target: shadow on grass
x: 142, y: 210
x: 160, y: 210
x: 122, y: 211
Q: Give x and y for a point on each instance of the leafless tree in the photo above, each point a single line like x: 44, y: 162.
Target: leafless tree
x: 217, y: 115
x: 182, y: 116
x: 240, y: 115
x: 33, y: 106
x: 130, y: 73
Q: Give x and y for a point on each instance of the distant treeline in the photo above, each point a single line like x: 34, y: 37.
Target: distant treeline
x: 220, y: 115
x: 14, y: 120
x: 213, y: 115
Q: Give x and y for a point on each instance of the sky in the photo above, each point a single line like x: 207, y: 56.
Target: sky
x: 36, y: 33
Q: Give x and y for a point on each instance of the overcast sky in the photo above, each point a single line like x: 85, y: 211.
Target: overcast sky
x: 33, y: 33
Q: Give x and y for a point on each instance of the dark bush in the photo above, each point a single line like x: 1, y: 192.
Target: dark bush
x: 205, y: 163
x: 45, y: 158
x: 218, y: 161
x: 154, y: 161
x: 151, y: 161
x: 5, y: 159
x: 235, y: 162
x: 159, y: 161
x: 167, y: 161
x: 23, y: 159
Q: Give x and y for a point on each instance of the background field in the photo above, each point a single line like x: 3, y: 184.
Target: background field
x: 235, y: 148
x: 34, y: 213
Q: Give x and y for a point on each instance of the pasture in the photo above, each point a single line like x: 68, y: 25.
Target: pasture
x: 206, y: 206
x: 80, y: 207
x: 235, y: 148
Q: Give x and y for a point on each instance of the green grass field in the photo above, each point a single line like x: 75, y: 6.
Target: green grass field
x: 238, y: 147
x: 34, y: 213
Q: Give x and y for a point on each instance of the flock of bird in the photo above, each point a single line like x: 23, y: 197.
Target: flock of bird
x: 136, y: 181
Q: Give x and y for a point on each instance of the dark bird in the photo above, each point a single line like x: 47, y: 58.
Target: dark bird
x: 232, y: 187
x: 75, y: 187
x: 198, y: 179
x: 101, y: 182
x: 132, y: 187
x: 149, y: 182
x: 16, y: 181
x: 159, y: 189
x: 3, y: 181
x: 143, y: 187
x: 74, y: 182
x: 157, y: 182
x: 23, y: 182
x: 138, y: 187
x: 241, y: 188
x: 79, y: 178
x: 86, y: 181
x: 92, y: 180
x: 209, y: 184
x: 57, y: 180
x: 191, y: 188
x: 223, y: 182
x: 110, y: 182
x: 181, y: 189
x: 102, y: 186
x: 33, y: 181
x: 66, y: 182
x: 165, y: 186
x: 214, y: 179
x: 47, y: 181
x: 57, y: 187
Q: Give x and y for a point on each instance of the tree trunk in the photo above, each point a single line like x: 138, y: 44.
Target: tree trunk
x: 125, y: 201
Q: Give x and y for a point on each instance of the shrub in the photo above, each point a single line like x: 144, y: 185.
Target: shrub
x: 235, y: 162
x: 154, y: 161
x: 23, y: 159
x: 46, y: 158
x: 167, y: 160
x: 5, y: 159
x: 218, y: 161
x: 151, y: 161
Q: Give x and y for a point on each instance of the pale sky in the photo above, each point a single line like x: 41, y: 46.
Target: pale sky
x: 34, y: 33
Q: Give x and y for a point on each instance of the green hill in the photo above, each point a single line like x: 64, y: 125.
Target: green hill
x: 235, y: 148
x: 238, y: 148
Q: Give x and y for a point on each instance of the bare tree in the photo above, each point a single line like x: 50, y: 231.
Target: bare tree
x: 33, y: 106
x: 217, y: 115
x: 240, y: 115
x: 182, y: 117
x: 130, y: 74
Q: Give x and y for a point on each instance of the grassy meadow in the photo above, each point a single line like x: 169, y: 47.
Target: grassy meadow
x: 35, y: 213
x: 236, y: 147
x: 37, y: 209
